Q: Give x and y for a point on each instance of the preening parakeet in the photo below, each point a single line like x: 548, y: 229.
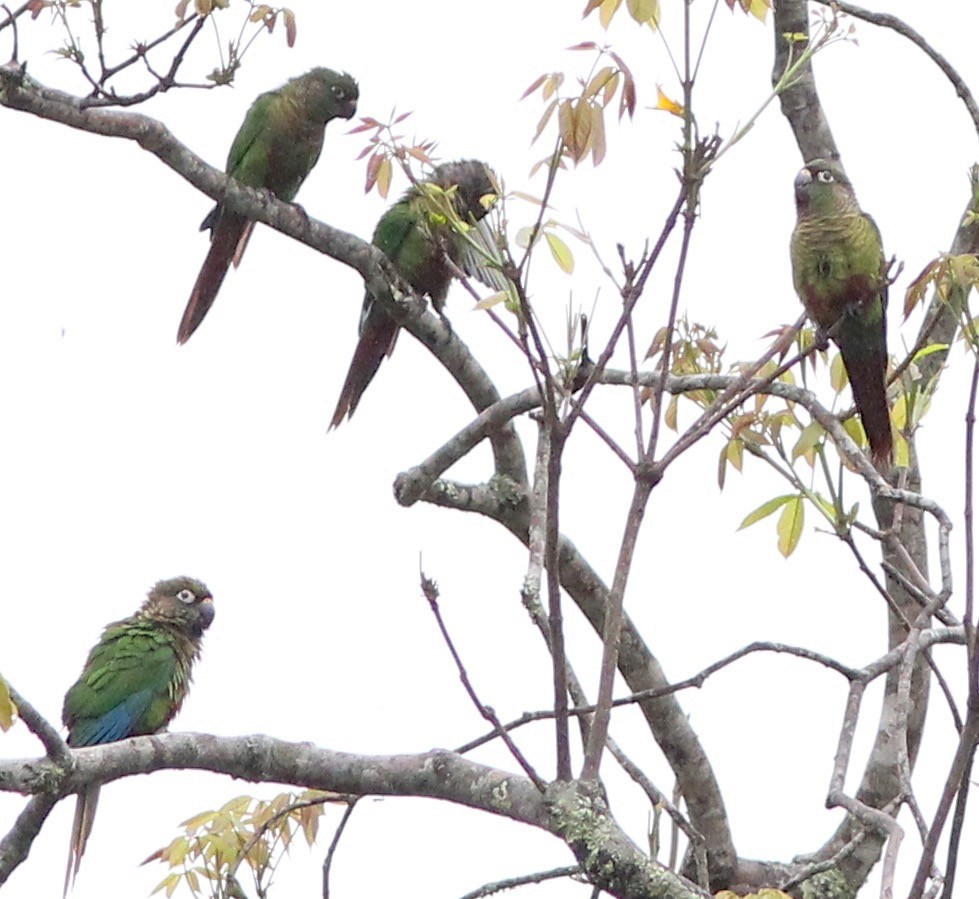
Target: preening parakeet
x: 841, y: 276
x: 276, y: 148
x: 420, y: 242
x: 134, y: 682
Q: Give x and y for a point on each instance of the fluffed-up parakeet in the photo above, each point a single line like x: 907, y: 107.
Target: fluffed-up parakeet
x: 840, y: 274
x: 276, y: 148
x: 427, y: 249
x: 134, y: 682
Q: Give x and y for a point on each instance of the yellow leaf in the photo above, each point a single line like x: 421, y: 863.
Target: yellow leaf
x: 671, y: 413
x: 899, y: 412
x: 599, y: 81
x: 598, y: 135
x: 735, y: 454
x: 581, y: 130
x: 198, y: 821
x: 560, y: 252
x: 808, y: 439
x: 902, y: 452
x: 666, y: 104
x: 759, y: 9
x: 7, y: 707
x: 544, y: 119
x: 854, y: 428
x: 645, y: 12
x: 495, y: 299
x: 384, y: 173
x: 552, y: 84
x: 565, y: 120
x: 169, y: 883
x: 608, y: 92
x: 837, y: 373
x: 607, y: 10
x: 789, y: 527
x: 764, y: 510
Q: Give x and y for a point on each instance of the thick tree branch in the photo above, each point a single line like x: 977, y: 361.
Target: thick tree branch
x: 572, y: 813
x: 19, y: 91
x: 883, y: 782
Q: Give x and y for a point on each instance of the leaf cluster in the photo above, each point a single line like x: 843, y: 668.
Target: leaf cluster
x: 214, y: 844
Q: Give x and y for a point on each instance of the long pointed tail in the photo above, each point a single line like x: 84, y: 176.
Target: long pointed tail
x: 81, y: 828
x: 377, y: 336
x: 866, y: 366
x: 230, y: 232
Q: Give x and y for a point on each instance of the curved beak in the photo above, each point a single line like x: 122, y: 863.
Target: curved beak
x: 803, y: 179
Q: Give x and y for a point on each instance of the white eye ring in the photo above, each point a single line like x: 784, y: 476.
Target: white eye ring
x: 825, y: 176
x: 186, y: 596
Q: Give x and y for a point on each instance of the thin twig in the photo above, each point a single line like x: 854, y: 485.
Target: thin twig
x: 430, y: 591
x: 885, y: 20
x: 334, y: 843
x: 510, y: 883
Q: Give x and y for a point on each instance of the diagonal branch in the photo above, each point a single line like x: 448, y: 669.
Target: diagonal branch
x: 886, y: 20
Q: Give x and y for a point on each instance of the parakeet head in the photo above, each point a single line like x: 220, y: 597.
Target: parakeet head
x: 477, y: 185
x: 329, y: 94
x: 822, y: 187
x: 184, y: 602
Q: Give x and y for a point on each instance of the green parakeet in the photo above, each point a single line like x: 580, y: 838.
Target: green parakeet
x: 134, y: 682
x: 841, y: 276
x: 427, y: 251
x: 276, y: 148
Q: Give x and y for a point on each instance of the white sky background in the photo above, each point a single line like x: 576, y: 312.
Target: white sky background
x: 127, y: 459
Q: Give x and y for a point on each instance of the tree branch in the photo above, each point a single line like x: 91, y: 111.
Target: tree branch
x: 608, y: 857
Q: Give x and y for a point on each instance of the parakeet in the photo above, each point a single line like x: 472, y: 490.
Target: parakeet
x: 420, y: 243
x: 134, y: 682
x: 276, y: 148
x: 841, y: 276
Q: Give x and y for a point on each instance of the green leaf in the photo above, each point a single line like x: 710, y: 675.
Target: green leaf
x: 789, y: 527
x: 561, y: 252
x: 929, y: 350
x: 764, y: 510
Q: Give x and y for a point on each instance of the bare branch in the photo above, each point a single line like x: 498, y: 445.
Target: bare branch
x: 38, y: 725
x: 334, y: 843
x: 430, y: 591
x: 17, y: 842
x: 886, y: 20
x: 510, y: 883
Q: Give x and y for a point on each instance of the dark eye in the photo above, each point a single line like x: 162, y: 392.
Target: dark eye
x: 337, y: 92
x: 825, y: 176
x: 186, y: 596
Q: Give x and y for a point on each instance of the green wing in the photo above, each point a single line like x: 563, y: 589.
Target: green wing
x: 246, y: 162
x: 125, y: 687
